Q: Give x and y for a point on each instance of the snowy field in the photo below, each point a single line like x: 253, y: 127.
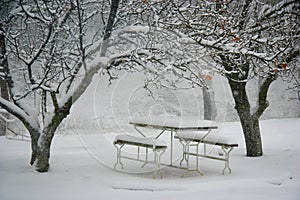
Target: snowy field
x: 81, y: 168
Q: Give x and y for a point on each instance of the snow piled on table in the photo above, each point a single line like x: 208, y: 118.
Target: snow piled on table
x: 81, y: 168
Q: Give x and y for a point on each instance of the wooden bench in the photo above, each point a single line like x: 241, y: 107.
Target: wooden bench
x: 188, y: 139
x: 158, y: 147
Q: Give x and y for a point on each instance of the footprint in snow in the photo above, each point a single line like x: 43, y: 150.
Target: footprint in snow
x: 279, y: 180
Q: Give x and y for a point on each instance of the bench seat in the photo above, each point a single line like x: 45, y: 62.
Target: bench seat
x: 158, y: 147
x: 138, y: 141
x: 212, y: 138
x: 188, y: 138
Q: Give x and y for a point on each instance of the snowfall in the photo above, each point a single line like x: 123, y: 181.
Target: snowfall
x: 82, y: 168
x: 83, y: 156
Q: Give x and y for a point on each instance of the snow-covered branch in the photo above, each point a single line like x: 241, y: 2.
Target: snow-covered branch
x: 27, y: 118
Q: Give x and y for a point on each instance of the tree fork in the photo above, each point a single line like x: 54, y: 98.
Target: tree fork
x: 45, y: 141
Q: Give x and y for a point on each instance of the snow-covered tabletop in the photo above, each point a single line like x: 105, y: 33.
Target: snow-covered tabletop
x: 174, y: 123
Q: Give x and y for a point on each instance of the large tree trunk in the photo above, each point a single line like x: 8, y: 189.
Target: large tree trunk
x: 34, y: 135
x: 45, y: 140
x: 249, y: 121
x: 43, y: 157
x: 250, y: 124
x: 252, y: 135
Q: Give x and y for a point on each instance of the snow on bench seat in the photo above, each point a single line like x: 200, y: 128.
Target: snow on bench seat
x: 211, y: 138
x: 158, y: 147
x: 138, y: 141
x: 226, y: 143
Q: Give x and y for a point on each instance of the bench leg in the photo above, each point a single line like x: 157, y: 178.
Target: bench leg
x: 185, y: 148
x: 157, y: 156
x: 119, y: 147
x: 186, y: 156
x: 227, y: 150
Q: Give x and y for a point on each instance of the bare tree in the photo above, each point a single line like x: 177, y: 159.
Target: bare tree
x: 54, y: 48
x: 244, y: 39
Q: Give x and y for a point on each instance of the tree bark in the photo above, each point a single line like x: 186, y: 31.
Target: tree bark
x: 43, y: 156
x: 34, y: 135
x: 45, y: 140
x: 249, y: 124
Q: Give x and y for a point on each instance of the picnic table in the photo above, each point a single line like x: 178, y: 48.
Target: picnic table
x: 172, y: 126
x: 185, y: 130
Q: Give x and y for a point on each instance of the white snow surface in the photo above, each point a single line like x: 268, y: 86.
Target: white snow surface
x: 82, y: 168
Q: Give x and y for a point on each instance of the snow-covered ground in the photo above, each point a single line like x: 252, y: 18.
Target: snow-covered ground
x: 81, y: 168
